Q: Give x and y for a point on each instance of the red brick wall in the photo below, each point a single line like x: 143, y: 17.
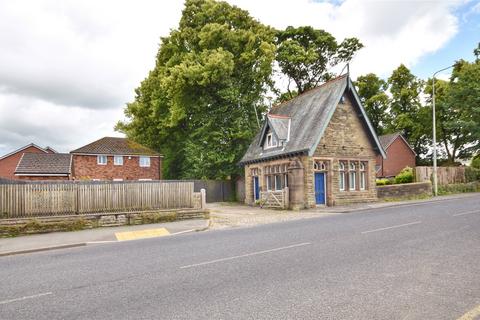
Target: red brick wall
x: 9, y: 164
x: 85, y: 167
x: 399, y: 156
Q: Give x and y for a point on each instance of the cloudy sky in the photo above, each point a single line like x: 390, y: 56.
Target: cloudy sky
x: 68, y: 67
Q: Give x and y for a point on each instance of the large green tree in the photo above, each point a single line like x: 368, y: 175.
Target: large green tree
x: 198, y: 106
x: 306, y: 55
x: 409, y: 116
x: 372, y: 93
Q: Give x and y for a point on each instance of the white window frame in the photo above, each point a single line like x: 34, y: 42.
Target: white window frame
x: 144, y: 165
x: 270, y: 142
x: 341, y: 176
x: 101, y: 163
x: 117, y: 180
x: 352, y: 176
x: 115, y: 162
x: 363, y: 176
x: 144, y: 179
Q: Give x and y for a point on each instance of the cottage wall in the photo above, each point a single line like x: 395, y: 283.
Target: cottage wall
x: 344, y: 139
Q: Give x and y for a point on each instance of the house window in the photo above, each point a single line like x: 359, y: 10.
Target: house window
x: 144, y: 161
x: 352, y: 175
x: 118, y: 160
x: 320, y: 166
x: 270, y: 141
x: 118, y: 180
x: 102, y: 160
x: 276, y: 177
x: 341, y: 175
x: 363, y: 175
x: 144, y: 179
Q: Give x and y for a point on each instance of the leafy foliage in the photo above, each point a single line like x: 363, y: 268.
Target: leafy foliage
x: 405, y: 176
x: 306, y: 55
x: 372, y: 93
x: 409, y: 116
x: 476, y: 162
x: 197, y: 106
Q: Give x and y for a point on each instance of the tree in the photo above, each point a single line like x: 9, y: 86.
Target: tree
x: 454, y: 137
x: 372, y: 93
x: 305, y: 55
x: 197, y: 106
x: 409, y: 116
x: 465, y: 96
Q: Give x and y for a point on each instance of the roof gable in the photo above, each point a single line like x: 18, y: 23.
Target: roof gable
x: 310, y: 114
x: 387, y: 140
x: 33, y: 145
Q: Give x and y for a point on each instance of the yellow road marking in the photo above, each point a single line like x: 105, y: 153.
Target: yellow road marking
x: 472, y: 314
x: 140, y: 234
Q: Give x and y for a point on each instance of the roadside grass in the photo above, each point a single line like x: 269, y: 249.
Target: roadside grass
x: 459, y: 188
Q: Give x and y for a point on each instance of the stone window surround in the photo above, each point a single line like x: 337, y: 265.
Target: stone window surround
x: 358, y: 174
x: 274, y: 175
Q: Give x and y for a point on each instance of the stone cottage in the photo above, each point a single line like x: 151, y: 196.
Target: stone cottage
x: 320, y: 145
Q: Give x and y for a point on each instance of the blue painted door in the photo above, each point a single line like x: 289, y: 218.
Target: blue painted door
x: 320, y: 187
x: 256, y: 188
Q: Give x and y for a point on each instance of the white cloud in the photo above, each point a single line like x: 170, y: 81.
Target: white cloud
x: 68, y: 68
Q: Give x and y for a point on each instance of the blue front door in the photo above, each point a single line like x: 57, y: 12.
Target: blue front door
x: 256, y: 188
x: 320, y: 187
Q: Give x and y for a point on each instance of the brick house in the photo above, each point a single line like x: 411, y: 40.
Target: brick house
x: 44, y: 166
x: 399, y: 155
x: 116, y: 159
x: 9, y: 162
x: 320, y: 145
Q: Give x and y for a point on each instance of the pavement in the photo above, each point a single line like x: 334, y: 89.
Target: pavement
x: 58, y: 240
x: 404, y: 262
x: 233, y: 215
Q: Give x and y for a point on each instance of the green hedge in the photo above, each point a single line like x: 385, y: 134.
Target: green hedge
x: 405, y: 176
x: 459, y: 188
x: 472, y: 174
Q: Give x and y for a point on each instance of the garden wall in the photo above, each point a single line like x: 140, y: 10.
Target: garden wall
x: 404, y: 190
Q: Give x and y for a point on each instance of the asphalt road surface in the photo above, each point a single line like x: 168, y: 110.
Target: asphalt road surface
x: 411, y: 262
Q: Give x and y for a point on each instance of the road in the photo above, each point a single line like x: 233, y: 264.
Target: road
x: 411, y: 262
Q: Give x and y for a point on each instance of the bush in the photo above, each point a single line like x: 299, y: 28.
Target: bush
x: 476, y: 162
x: 383, y: 182
x: 472, y: 174
x: 405, y: 176
x: 459, y: 188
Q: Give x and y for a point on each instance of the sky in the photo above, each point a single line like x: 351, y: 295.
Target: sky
x: 67, y: 68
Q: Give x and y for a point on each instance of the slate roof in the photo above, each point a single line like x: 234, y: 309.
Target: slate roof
x: 310, y: 114
x: 387, y: 139
x: 115, y: 146
x: 45, y: 164
x: 280, y: 125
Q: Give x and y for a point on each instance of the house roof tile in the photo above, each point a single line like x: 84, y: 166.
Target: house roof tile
x: 44, y: 163
x: 115, y: 146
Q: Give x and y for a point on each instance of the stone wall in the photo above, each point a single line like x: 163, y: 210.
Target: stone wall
x: 405, y: 190
x: 14, y: 227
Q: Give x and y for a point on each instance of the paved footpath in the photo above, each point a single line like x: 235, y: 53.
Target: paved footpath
x: 231, y: 215
x: 54, y: 240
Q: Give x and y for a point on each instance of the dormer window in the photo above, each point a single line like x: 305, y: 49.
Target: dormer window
x: 270, y: 141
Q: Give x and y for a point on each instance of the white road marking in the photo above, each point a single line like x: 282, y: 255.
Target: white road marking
x: 26, y: 297
x: 245, y: 255
x: 464, y: 213
x: 393, y: 227
x: 180, y: 232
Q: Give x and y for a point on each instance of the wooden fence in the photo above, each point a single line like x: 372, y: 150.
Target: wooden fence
x: 445, y: 175
x: 50, y: 199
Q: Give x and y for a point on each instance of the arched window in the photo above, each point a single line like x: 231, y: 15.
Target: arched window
x: 363, y: 176
x: 352, y: 175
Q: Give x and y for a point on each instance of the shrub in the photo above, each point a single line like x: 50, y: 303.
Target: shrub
x: 405, y: 176
x: 383, y: 182
x: 459, y: 188
x: 472, y: 174
x: 476, y: 162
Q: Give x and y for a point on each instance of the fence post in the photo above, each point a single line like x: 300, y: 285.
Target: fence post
x: 203, y: 198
